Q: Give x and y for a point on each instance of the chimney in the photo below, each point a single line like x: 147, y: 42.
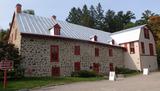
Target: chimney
x: 18, y: 8
x: 54, y: 17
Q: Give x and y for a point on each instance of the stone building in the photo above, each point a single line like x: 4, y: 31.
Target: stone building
x: 57, y: 48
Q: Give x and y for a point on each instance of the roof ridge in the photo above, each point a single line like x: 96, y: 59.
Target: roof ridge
x: 128, y: 29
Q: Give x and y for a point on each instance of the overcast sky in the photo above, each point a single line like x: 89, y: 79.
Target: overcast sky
x: 60, y: 8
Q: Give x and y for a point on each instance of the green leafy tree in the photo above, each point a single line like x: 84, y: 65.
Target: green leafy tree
x: 86, y: 19
x: 75, y: 16
x: 145, y: 16
x: 99, y: 17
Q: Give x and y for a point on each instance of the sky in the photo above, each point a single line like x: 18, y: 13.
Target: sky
x: 61, y: 8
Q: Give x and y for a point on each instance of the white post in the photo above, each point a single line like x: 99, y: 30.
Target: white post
x: 112, y: 76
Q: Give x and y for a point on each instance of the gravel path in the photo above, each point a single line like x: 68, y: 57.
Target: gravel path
x: 136, y: 83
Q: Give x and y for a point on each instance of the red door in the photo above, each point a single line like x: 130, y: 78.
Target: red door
x: 55, y: 71
x: 96, y: 67
x: 77, y: 66
x: 111, y: 68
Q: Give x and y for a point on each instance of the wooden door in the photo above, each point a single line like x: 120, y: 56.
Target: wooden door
x: 55, y: 71
x: 111, y: 67
x: 77, y: 66
x: 96, y: 67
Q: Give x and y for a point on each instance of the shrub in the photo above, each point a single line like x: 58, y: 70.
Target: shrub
x: 125, y: 71
x: 84, y: 73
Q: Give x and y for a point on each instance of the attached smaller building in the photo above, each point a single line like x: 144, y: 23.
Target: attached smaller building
x: 140, y: 48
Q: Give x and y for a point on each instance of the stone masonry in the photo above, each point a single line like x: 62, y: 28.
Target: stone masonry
x: 36, y: 51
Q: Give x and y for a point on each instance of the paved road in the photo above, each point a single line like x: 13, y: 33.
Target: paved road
x: 136, y: 83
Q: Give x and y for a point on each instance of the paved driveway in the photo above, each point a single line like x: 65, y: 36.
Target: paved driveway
x: 136, y: 83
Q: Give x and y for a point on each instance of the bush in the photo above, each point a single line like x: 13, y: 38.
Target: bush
x: 125, y: 71
x: 84, y: 73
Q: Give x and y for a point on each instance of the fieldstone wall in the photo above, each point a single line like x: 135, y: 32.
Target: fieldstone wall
x: 36, y: 51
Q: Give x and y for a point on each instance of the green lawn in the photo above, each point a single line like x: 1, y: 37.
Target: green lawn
x: 28, y: 83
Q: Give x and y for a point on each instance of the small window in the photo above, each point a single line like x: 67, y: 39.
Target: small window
x: 142, y: 47
x: 132, y: 50
x: 77, y: 50
x: 110, y: 52
x: 96, y: 52
x: 151, y: 49
x: 146, y: 33
x: 113, y: 42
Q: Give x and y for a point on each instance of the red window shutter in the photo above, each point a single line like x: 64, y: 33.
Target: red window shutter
x: 132, y: 50
x: 55, y: 71
x: 54, y: 53
x: 151, y: 49
x: 77, y: 50
x: 96, y: 52
x: 142, y: 47
x: 110, y: 52
x: 77, y: 66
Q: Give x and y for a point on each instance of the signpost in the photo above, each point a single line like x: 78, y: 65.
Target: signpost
x: 5, y: 65
x: 112, y: 76
x: 145, y: 71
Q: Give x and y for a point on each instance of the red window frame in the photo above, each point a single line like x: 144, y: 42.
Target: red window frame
x: 77, y: 50
x: 146, y: 33
x: 110, y: 52
x: 151, y: 50
x: 54, y: 53
x: 96, y: 52
x: 143, y: 47
x: 77, y: 66
x: 132, y: 49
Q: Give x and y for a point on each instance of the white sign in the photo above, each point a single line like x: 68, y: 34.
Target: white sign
x: 145, y: 71
x: 112, y: 76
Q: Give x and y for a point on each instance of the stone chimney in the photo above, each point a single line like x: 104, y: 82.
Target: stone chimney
x: 18, y: 8
x: 54, y: 17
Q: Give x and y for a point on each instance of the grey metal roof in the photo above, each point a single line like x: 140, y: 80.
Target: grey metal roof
x: 127, y: 35
x: 40, y: 25
x: 33, y: 24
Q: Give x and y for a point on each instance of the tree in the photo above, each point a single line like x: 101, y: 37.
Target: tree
x: 75, y: 16
x: 154, y: 26
x: 145, y: 16
x: 99, y: 17
x: 29, y: 11
x: 86, y: 19
x: 3, y: 35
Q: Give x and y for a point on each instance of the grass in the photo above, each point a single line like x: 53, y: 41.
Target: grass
x: 28, y: 83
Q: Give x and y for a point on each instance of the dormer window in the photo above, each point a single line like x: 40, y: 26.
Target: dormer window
x: 56, y: 30
x: 113, y: 42
x: 94, y: 38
